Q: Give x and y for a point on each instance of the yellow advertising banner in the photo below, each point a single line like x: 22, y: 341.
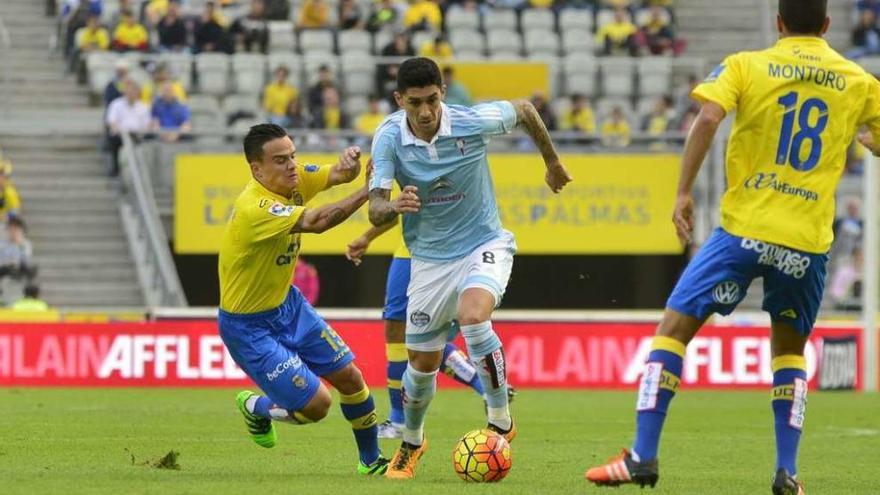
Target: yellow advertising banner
x: 503, y: 81
x: 617, y: 204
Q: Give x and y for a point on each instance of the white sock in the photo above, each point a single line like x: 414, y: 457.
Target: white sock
x: 251, y: 403
x: 413, y: 437
x: 500, y: 417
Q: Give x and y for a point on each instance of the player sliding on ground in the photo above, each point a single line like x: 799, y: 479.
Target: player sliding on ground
x: 271, y: 331
x: 454, y: 363
x: 798, y: 105
x: 461, y: 256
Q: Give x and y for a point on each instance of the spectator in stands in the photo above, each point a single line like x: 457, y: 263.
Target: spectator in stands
x: 16, y: 252
x: 437, y: 49
x: 542, y: 106
x: 331, y: 116
x: 277, y: 95
x: 423, y: 14
x: 384, y: 14
x: 277, y: 10
x: 294, y: 117
x: 116, y: 87
x: 316, y: 92
x: 116, y: 17
x: 866, y: 36
x: 91, y: 38
x: 314, y: 14
x: 849, y: 228
x: 686, y: 108
x: 93, y: 7
x: 657, y: 35
x: 161, y: 75
x: 873, y: 5
x: 252, y: 31
x: 170, y: 116
x: 579, y: 116
x: 845, y: 288
x: 615, y: 130
x: 456, y: 92
x: 210, y: 33
x: 10, y: 203
x: 173, y: 34
x: 130, y: 35
x: 125, y: 114
x: 659, y: 120
x: 31, y: 301
x: 855, y: 158
x: 155, y: 10
x: 350, y: 15
x: 76, y: 18
x: 369, y: 121
x: 305, y: 278
x: 386, y: 74
x: 618, y: 36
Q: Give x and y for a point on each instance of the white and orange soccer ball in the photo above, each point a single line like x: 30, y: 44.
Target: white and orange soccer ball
x: 482, y: 456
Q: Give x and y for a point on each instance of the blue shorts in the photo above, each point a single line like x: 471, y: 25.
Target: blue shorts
x: 285, y: 349
x: 395, y: 290
x: 717, y: 278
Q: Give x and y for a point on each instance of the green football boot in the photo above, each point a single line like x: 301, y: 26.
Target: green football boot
x: 262, y: 430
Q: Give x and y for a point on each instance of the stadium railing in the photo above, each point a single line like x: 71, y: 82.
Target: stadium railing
x: 149, y: 244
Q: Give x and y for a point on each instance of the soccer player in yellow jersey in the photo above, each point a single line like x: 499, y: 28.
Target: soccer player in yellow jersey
x: 271, y: 331
x: 798, y: 105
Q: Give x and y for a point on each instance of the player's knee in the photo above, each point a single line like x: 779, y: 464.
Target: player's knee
x: 348, y: 380
x: 678, y: 326
x: 319, y: 406
x: 426, y: 362
x: 475, y: 306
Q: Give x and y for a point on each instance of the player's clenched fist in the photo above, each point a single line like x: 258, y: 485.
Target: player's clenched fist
x: 408, y: 201
x: 557, y: 176
x: 350, y: 159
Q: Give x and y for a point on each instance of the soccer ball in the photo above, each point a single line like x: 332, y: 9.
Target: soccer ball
x: 482, y: 456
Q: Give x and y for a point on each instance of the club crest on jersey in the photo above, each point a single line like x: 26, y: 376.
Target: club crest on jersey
x: 281, y: 210
x: 420, y: 318
x: 726, y: 292
x: 460, y: 143
x: 311, y: 168
x: 715, y: 74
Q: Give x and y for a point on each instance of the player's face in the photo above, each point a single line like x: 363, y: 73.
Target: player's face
x: 422, y: 106
x: 277, y: 170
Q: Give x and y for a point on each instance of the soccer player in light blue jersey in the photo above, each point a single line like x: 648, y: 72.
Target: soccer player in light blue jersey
x: 461, y: 256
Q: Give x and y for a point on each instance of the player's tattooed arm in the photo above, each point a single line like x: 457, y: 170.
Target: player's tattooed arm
x: 347, y: 168
x: 528, y: 119
x: 322, y: 218
x: 384, y: 210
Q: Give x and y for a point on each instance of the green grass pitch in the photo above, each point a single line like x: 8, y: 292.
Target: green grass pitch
x: 70, y: 441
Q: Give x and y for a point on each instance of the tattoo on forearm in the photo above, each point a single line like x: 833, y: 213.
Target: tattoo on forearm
x: 381, y: 208
x: 527, y: 117
x: 335, y: 216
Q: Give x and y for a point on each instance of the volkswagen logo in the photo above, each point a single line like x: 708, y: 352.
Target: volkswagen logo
x: 726, y: 292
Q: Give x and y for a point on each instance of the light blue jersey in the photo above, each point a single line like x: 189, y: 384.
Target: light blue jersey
x: 452, y: 173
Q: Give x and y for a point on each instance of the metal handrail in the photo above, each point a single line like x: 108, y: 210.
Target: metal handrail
x: 145, y: 208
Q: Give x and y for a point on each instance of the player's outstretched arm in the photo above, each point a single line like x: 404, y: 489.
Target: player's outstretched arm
x: 347, y: 168
x: 323, y: 218
x: 358, y: 247
x: 528, y: 119
x: 383, y: 210
x: 695, y: 149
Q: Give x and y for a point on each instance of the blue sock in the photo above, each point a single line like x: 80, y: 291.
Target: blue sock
x: 418, y: 390
x: 457, y: 366
x: 396, y: 356
x: 486, y: 352
x: 789, y: 399
x: 658, y: 386
x: 262, y: 406
x: 360, y: 411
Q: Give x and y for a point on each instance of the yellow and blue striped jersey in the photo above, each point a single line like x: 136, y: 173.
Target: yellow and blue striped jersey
x: 258, y: 252
x: 798, y: 105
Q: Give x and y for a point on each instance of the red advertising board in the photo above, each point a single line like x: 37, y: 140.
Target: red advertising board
x: 539, y: 354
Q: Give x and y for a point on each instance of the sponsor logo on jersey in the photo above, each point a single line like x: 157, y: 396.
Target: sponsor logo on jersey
x: 420, y: 318
x: 441, y: 192
x: 789, y: 313
x: 762, y: 181
x: 726, y: 292
x: 787, y: 261
x: 281, y: 210
x: 715, y: 74
x: 291, y: 362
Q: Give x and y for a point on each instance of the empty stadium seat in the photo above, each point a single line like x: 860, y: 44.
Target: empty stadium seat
x: 203, y: 105
x: 358, y: 77
x: 313, y: 41
x: 466, y: 40
x: 554, y: 71
x: 311, y: 64
x: 355, y: 105
x: 503, y: 41
x: 233, y: 104
x: 281, y: 36
x: 541, y: 41
x: 655, y: 75
x: 101, y: 70
x: 538, y: 19
x: 459, y: 18
x: 576, y: 19
x: 502, y: 19
x: 180, y: 65
x: 213, y: 73
x: 290, y: 60
x: 576, y: 40
x: 249, y: 72
x: 355, y: 41
x: 580, y: 74
x: 419, y: 38
x: 617, y: 76
x: 603, y: 17
x: 382, y: 39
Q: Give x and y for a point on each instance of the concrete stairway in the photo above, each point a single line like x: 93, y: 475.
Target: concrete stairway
x: 68, y: 202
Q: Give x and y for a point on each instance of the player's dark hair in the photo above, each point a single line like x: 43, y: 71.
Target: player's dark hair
x: 803, y: 16
x: 259, y: 135
x: 419, y: 72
